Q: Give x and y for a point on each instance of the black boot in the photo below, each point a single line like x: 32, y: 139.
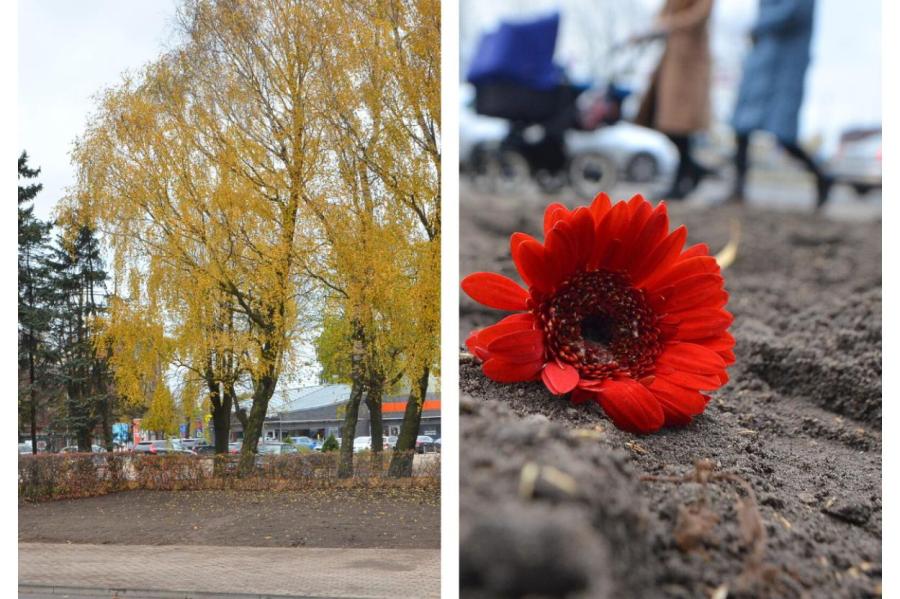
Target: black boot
x: 823, y: 186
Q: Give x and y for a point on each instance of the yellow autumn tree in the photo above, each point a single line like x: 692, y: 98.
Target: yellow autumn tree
x: 198, y: 170
x: 280, y: 164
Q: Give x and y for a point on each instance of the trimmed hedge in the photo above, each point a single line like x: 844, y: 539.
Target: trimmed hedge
x: 67, y: 476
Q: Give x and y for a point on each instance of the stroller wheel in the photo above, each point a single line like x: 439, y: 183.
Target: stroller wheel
x: 505, y: 171
x: 592, y: 172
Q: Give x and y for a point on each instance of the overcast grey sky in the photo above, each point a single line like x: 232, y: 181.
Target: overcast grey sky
x: 68, y: 52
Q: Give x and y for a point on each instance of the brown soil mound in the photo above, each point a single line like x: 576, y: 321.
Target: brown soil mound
x: 390, y: 518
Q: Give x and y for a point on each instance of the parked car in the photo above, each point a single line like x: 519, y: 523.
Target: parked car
x: 190, y: 443
x: 24, y: 448
x: 235, y: 447
x: 857, y: 162
x: 304, y: 442
x: 269, y: 449
x: 437, y: 444
x: 391, y: 441
x: 74, y: 449
x: 161, y: 446
x: 204, y: 448
x: 424, y: 444
x: 275, y: 448
x: 362, y: 444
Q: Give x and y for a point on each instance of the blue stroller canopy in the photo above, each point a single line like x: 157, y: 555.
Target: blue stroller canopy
x: 519, y: 53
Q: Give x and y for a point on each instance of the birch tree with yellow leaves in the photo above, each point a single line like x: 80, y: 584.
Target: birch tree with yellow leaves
x: 280, y: 162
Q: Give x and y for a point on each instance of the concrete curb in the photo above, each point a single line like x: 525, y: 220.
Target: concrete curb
x: 43, y: 590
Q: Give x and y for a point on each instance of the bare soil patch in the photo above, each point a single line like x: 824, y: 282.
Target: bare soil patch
x: 362, y: 517
x: 562, y: 499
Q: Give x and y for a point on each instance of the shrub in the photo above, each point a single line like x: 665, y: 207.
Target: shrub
x: 330, y: 444
x: 67, y: 476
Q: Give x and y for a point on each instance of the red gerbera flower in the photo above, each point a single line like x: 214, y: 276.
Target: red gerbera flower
x: 615, y: 312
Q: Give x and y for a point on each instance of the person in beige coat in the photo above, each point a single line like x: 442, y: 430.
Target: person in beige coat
x: 677, y: 102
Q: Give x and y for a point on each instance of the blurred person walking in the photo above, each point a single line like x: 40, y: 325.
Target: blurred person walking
x: 772, y: 87
x: 677, y: 102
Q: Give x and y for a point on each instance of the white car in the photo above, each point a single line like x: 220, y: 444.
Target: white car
x: 362, y: 444
x: 857, y: 161
x: 642, y: 155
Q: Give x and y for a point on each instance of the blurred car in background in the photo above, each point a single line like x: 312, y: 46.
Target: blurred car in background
x: 424, y: 444
x: 307, y: 443
x: 161, y: 446
x: 204, y: 448
x: 362, y: 444
x: 857, y: 161
x: 641, y: 155
x: 235, y: 447
x: 74, y: 449
x: 190, y: 443
x: 437, y: 444
x: 275, y: 448
x: 24, y: 448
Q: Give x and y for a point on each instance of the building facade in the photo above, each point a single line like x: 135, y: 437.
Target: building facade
x: 319, y: 411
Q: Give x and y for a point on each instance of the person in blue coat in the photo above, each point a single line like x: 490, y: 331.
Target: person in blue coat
x: 771, y: 91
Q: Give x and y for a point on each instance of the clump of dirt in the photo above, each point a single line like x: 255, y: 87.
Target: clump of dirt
x: 563, y: 516
x: 798, y: 425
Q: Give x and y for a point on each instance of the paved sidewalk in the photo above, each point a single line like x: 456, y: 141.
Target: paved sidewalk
x: 50, y: 569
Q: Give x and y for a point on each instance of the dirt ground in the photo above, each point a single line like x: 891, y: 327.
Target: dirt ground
x: 555, y: 500
x: 351, y: 518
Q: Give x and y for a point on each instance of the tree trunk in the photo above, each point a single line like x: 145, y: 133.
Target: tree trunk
x: 348, y: 431
x: 402, y: 460
x: 107, y: 424
x: 220, y: 408
x: 373, y: 402
x: 262, y: 393
x: 33, y: 406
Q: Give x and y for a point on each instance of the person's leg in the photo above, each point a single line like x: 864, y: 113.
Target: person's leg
x: 680, y: 183
x: 742, y: 142
x: 823, y: 181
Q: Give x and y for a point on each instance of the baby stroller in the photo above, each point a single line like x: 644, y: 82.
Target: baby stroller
x: 516, y: 79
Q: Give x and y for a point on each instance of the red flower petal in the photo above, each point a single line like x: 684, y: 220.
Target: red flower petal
x: 495, y: 291
x: 516, y: 239
x: 691, y: 358
x: 561, y: 252
x: 518, y: 346
x: 560, y: 379
x: 631, y: 406
x: 478, y: 341
x: 583, y: 229
x: 695, y: 292
x: 658, y: 261
x: 653, y: 232
x: 608, y: 230
x: 580, y: 396
x: 530, y: 261
x: 554, y: 213
x: 600, y: 206
x: 679, y: 405
x: 698, y: 249
x: 684, y: 268
x: 702, y: 324
x: 502, y: 371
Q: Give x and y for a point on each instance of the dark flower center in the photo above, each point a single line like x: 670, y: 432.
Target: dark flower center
x: 603, y: 326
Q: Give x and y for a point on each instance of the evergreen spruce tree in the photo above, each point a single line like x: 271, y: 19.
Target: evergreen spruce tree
x: 79, y: 299
x: 34, y: 297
